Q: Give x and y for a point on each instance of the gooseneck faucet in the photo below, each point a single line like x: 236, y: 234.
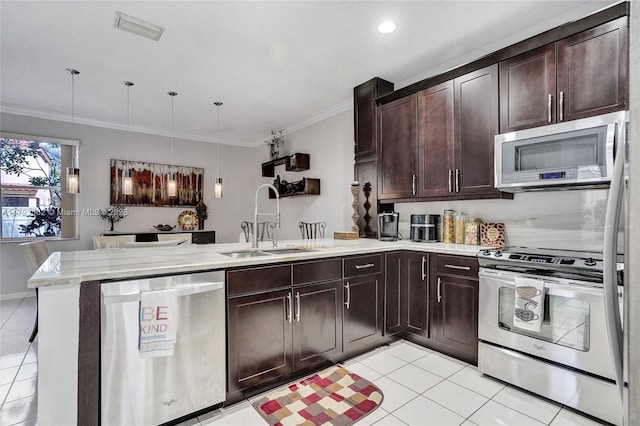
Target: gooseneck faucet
x: 256, y: 213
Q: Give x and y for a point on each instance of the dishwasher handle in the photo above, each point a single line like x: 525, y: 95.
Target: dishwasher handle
x: 181, y: 291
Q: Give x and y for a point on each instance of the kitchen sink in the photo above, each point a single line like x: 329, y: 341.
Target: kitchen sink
x: 265, y: 252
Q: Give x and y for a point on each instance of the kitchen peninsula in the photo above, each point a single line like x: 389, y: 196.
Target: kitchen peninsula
x: 69, y: 300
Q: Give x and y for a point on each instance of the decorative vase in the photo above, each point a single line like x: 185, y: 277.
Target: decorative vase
x: 275, y: 152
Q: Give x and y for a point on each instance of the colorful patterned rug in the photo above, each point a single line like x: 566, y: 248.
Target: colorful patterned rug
x: 334, y: 397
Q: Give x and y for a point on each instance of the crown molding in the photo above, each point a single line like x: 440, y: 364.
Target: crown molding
x: 54, y: 116
x: 343, y: 106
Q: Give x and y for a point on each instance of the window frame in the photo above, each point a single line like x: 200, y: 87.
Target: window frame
x: 68, y: 202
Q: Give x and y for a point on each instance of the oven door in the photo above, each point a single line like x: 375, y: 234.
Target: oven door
x: 573, y: 330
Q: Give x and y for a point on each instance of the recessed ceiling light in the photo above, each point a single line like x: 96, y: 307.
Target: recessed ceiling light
x: 387, y: 27
x: 137, y: 26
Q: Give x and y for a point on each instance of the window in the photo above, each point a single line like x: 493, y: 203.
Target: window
x: 31, y: 181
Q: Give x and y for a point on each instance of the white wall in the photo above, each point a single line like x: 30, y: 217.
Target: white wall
x: 329, y: 144
x: 97, y: 146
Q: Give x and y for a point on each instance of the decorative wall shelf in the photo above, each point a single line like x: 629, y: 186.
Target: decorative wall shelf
x: 306, y: 186
x: 293, y: 163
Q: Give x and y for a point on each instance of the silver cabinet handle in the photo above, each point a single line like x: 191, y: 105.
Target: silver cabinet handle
x: 348, y: 302
x: 457, y: 180
x: 366, y: 265
x: 298, y: 306
x: 464, y: 268
x: 424, y: 271
x: 450, y: 180
x: 549, y: 103
x: 439, y: 285
x: 413, y: 184
x: 561, y: 106
x: 290, y: 306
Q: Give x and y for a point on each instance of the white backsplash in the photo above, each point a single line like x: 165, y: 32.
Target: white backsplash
x: 570, y: 220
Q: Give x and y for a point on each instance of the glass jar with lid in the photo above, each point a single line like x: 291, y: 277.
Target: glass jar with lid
x: 447, y: 226
x: 459, y: 228
x: 472, y: 231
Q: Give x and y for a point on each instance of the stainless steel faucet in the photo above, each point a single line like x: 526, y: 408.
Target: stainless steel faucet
x: 256, y: 214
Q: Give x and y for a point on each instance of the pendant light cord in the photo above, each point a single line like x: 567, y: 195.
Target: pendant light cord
x: 218, y: 144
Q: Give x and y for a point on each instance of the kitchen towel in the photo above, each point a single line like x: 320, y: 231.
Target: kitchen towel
x: 158, y: 323
x: 529, y: 306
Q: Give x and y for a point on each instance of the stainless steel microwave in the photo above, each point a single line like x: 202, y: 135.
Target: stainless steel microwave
x: 573, y: 154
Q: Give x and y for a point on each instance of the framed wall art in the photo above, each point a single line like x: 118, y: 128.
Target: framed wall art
x: 150, y: 184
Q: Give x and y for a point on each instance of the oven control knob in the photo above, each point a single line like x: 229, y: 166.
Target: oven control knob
x: 486, y: 252
x: 589, y: 262
x: 498, y: 253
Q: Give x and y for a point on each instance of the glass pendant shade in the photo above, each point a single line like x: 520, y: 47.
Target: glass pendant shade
x: 172, y: 186
x: 73, y: 180
x: 127, y: 182
x: 218, y: 188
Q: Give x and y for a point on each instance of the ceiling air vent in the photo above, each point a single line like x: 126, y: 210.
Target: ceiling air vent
x: 137, y: 26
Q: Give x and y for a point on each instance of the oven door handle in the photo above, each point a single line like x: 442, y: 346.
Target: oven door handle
x: 609, y: 260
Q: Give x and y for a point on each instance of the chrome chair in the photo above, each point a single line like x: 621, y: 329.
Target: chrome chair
x: 312, y: 230
x: 35, y: 253
x: 265, y: 230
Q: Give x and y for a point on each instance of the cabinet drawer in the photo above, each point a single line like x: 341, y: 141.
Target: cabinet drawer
x: 362, y: 265
x: 258, y: 279
x: 323, y: 270
x: 458, y: 265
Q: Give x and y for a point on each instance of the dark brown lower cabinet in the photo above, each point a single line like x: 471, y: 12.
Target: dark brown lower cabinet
x: 317, y: 324
x: 406, y: 300
x: 362, y: 310
x: 454, y: 310
x: 259, y: 338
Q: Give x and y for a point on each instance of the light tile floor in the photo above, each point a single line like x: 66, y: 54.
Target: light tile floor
x: 420, y: 387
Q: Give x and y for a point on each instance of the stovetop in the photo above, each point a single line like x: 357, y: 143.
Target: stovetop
x: 542, y: 258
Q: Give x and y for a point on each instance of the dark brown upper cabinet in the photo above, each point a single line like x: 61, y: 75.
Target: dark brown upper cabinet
x: 528, y: 89
x: 365, y: 120
x: 577, y: 77
x: 475, y: 125
x: 435, y: 135
x: 398, y: 149
x: 593, y: 71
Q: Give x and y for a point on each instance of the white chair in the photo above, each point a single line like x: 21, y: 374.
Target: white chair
x: 185, y: 238
x: 112, y: 241
x: 149, y: 244
x: 35, y: 253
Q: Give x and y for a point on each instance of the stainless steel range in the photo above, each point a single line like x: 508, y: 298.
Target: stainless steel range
x: 556, y: 343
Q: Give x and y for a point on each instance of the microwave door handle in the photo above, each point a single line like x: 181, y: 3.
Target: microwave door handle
x: 609, y: 260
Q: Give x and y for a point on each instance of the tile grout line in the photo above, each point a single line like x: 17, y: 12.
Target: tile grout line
x: 11, y: 314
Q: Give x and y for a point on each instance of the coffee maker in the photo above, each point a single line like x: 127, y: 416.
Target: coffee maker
x: 424, y: 227
x: 388, y: 226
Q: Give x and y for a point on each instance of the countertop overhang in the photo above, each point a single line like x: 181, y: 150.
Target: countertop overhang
x: 74, y: 267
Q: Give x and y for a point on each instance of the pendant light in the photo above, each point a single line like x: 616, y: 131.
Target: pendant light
x: 127, y: 180
x: 172, y: 187
x: 217, y: 191
x: 73, y: 173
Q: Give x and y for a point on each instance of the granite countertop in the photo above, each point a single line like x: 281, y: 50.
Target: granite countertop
x: 74, y: 267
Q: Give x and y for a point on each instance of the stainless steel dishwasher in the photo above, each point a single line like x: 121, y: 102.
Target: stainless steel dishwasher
x: 150, y: 391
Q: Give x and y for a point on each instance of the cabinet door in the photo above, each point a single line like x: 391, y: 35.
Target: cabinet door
x: 435, y: 135
x: 593, y: 71
x: 317, y: 323
x: 398, y: 149
x: 414, y: 293
x: 364, y: 97
x: 362, y: 311
x: 259, y: 338
x: 366, y: 172
x: 476, y: 124
x: 393, y: 280
x: 528, y: 89
x: 456, y: 319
